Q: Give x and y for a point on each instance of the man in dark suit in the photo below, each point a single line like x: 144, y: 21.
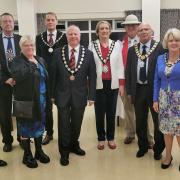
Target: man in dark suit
x: 9, y: 47
x: 75, y: 84
x: 46, y: 43
x: 141, y: 63
x: 2, y: 163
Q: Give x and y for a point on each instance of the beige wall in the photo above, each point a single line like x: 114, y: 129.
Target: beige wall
x: 79, y: 9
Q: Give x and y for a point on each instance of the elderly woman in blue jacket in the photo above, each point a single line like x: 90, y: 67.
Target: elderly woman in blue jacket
x: 167, y: 92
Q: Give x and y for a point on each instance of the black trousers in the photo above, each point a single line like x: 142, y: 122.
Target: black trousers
x: 5, y: 113
x: 105, y: 104
x: 69, y: 127
x: 142, y: 105
x: 49, y: 121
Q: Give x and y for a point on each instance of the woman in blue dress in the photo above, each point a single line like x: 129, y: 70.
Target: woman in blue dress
x: 167, y: 92
x: 30, y: 75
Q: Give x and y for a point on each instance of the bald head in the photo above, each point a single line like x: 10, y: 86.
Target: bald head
x: 144, y: 32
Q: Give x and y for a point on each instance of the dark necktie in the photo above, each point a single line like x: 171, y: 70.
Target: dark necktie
x: 50, y: 42
x: 9, y: 52
x: 142, y: 72
x: 72, y: 59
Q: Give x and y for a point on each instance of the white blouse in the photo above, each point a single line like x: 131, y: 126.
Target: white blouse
x: 116, y: 63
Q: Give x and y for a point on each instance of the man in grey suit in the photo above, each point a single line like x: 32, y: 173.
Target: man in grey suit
x: 74, y: 86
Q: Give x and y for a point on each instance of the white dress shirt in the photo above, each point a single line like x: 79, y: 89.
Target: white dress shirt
x: 132, y: 41
x: 76, y: 53
x: 53, y: 36
x: 141, y: 63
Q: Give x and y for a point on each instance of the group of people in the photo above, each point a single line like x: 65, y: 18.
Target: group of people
x: 143, y: 72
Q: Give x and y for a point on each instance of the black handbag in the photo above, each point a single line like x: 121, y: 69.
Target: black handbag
x: 22, y: 109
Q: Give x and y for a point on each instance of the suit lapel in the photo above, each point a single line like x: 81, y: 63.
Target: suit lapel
x: 2, y: 50
x: 67, y: 54
x: 79, y: 56
x: 151, y: 55
x: 16, y: 44
x: 45, y: 36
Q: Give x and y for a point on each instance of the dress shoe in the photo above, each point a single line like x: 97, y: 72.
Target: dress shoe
x: 141, y: 153
x: 128, y: 140
x: 64, y: 161
x: 3, y: 163
x: 7, y: 147
x: 112, y: 145
x: 100, y: 145
x: 78, y: 151
x: 47, y: 139
x: 157, y: 156
x: 165, y: 166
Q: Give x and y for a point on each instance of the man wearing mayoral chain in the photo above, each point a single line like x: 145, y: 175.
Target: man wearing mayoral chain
x: 46, y: 43
x: 140, y: 69
x: 74, y: 86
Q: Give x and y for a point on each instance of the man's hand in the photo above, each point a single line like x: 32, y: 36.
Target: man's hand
x: 156, y: 106
x: 10, y: 81
x: 121, y: 90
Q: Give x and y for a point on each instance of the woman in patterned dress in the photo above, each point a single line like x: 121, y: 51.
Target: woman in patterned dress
x: 167, y: 92
x: 30, y: 75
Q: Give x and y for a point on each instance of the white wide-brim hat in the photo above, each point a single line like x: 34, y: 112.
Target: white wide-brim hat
x: 131, y: 19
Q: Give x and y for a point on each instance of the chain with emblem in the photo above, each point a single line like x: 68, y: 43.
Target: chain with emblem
x: 78, y: 65
x: 10, y: 55
x: 54, y: 42
x: 144, y: 57
x: 170, y: 64
x: 99, y: 53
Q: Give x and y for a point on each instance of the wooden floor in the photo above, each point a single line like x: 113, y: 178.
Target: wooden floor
x: 96, y: 165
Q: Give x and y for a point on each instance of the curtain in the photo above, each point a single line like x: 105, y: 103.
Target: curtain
x: 40, y: 22
x: 170, y: 18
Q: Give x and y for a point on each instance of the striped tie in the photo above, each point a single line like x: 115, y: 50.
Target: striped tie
x: 72, y: 59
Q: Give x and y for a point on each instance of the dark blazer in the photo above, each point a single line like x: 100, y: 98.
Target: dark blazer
x: 131, y: 70
x: 42, y: 50
x: 5, y: 72
x: 27, y: 80
x: 76, y: 92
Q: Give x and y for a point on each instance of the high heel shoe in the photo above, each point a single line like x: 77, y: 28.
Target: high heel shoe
x: 165, y: 166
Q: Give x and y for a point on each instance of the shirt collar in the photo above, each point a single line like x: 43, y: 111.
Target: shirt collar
x: 134, y: 39
x: 4, y: 36
x: 54, y: 32
x: 148, y: 44
x: 76, y: 48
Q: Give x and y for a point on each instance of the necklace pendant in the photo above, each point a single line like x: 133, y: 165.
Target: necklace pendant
x: 50, y: 50
x: 105, y: 69
x: 72, y: 78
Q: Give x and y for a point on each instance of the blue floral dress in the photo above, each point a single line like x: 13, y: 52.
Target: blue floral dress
x: 35, y: 129
x: 169, y: 109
